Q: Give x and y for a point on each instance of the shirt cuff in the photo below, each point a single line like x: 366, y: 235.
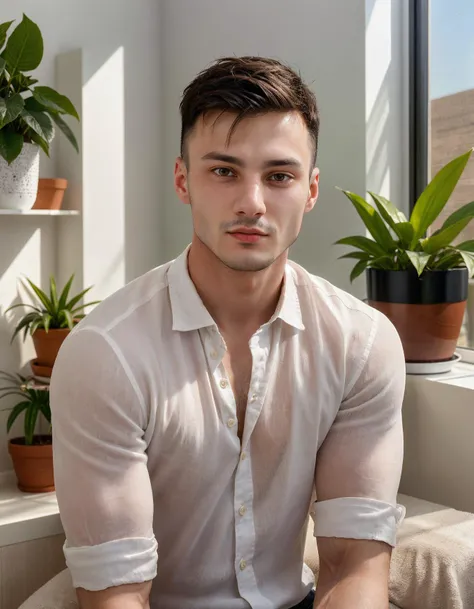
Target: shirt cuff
x: 357, y: 518
x: 114, y: 563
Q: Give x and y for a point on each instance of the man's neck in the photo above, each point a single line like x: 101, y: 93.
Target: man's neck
x: 238, y: 301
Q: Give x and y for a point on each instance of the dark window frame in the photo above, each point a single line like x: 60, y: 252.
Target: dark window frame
x: 419, y: 97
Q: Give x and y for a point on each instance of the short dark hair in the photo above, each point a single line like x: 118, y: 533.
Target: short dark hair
x: 248, y: 86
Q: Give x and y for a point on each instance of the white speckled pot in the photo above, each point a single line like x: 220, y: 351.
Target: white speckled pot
x: 19, y: 181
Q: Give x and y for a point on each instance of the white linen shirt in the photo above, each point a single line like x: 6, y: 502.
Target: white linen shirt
x: 151, y: 478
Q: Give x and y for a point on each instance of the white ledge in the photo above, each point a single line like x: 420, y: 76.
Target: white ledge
x: 462, y: 375
x: 26, y: 516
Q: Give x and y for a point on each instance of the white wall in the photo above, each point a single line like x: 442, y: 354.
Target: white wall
x: 103, y: 29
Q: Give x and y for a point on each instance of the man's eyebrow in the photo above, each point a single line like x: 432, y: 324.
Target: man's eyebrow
x: 233, y: 160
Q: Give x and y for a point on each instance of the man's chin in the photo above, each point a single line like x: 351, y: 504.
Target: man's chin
x: 248, y: 264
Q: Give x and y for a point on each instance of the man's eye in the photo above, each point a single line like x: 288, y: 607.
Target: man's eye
x: 280, y: 177
x: 223, y: 172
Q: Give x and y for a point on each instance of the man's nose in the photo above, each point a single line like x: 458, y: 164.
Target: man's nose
x: 250, y: 200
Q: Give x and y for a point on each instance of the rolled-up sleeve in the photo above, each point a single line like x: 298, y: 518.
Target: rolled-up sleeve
x: 359, y: 464
x: 100, y: 464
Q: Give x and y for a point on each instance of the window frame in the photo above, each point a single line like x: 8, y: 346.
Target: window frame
x: 419, y: 111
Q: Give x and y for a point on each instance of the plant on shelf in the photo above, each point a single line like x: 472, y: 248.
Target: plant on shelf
x: 52, y: 317
x: 31, y: 453
x: 415, y: 275
x: 28, y: 114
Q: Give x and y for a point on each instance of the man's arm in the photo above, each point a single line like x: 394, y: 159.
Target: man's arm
x: 357, y: 477
x: 101, y: 476
x: 129, y: 596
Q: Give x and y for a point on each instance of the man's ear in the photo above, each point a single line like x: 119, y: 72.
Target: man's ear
x: 313, y: 192
x: 181, y: 180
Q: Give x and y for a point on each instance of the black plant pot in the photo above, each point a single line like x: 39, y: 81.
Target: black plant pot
x: 427, y: 311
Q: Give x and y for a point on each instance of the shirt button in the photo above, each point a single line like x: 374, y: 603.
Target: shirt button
x: 242, y: 510
x: 214, y: 354
x: 243, y: 564
x: 254, y: 397
x: 223, y: 383
x: 231, y: 423
x: 243, y: 456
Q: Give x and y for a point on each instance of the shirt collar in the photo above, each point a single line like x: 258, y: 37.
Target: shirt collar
x: 188, y: 310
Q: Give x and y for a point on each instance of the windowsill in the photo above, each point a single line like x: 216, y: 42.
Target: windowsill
x: 462, y: 375
x: 26, y: 516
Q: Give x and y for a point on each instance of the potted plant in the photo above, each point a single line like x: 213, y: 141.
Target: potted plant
x: 28, y: 114
x: 32, y: 453
x: 420, y: 282
x: 49, y: 322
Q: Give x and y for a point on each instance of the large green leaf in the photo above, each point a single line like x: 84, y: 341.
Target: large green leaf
x: 419, y: 260
x: 36, y: 139
x: 24, y: 50
x: 358, y: 269
x: 73, y: 302
x: 356, y: 256
x: 363, y: 243
x: 4, y: 27
x: 467, y: 246
x: 65, y: 293
x: 66, y: 129
x: 55, y: 101
x: 466, y: 211
x: 435, y: 196
x: 444, y: 237
x: 391, y: 214
x: 372, y: 220
x: 53, y: 292
x: 14, y: 106
x: 48, y: 305
x: 40, y: 123
x: 11, y: 144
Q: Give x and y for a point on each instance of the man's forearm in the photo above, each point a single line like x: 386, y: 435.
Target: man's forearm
x: 352, y: 592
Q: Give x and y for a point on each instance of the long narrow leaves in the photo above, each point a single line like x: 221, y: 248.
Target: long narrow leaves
x: 400, y: 244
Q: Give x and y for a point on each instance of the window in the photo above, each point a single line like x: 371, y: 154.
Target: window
x: 442, y: 108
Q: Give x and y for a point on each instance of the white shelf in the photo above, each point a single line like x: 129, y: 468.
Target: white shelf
x: 39, y: 212
x: 26, y: 516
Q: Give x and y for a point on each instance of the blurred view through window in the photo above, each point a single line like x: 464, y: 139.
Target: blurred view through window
x: 452, y: 110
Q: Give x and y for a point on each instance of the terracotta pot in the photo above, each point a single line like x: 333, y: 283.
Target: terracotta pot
x: 427, y: 311
x: 47, y: 345
x: 50, y: 193
x: 33, y: 464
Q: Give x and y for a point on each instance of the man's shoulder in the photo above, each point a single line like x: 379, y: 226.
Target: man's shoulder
x: 132, y: 303
x: 328, y: 299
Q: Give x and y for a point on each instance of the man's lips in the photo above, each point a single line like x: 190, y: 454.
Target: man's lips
x: 247, y: 235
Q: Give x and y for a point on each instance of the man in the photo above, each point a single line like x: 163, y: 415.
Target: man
x: 200, y: 410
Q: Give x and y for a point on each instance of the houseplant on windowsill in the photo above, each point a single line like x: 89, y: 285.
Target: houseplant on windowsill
x: 28, y: 114
x: 32, y: 453
x: 49, y: 322
x: 420, y: 282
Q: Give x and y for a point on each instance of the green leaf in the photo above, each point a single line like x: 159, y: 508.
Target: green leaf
x: 31, y: 104
x: 65, y: 293
x: 24, y: 50
x: 22, y: 304
x: 3, y: 109
x: 468, y: 258
x: 22, y: 82
x: 435, y: 196
x: 391, y: 214
x: 405, y: 232
x: 42, y: 297
x: 94, y: 302
x: 36, y: 139
x: 30, y: 423
x: 358, y: 269
x: 356, y: 256
x: 3, y: 64
x: 66, y: 129
x: 444, y: 237
x: 14, y: 105
x: 15, y: 413
x: 46, y: 321
x: 40, y: 123
x: 4, y: 27
x: 68, y: 317
x: 419, y: 260
x: 55, y: 101
x: 11, y: 145
x: 467, y: 246
x: 466, y: 211
x: 53, y: 292
x: 70, y: 305
x: 372, y: 220
x: 363, y: 243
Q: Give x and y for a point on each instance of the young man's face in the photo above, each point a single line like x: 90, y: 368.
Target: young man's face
x: 248, y: 196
